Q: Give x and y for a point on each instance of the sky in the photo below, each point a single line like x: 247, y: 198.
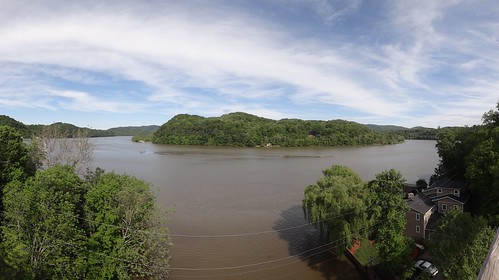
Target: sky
x: 103, y: 64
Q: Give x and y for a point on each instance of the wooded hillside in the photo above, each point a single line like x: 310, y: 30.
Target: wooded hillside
x: 245, y: 130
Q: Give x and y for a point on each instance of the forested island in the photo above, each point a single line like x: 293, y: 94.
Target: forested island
x: 246, y: 130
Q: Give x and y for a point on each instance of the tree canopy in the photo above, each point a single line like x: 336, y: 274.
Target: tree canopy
x: 389, y: 207
x: 472, y: 154
x: 341, y: 205
x: 58, y: 224
x: 15, y: 160
x: 460, y: 244
x: 245, y: 130
x: 336, y: 204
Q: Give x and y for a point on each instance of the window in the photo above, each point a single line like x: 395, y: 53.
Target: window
x: 444, y: 207
x: 439, y: 190
x: 417, y: 217
x: 418, y: 229
x: 456, y: 193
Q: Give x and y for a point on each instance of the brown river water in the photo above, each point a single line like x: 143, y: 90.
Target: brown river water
x: 237, y: 211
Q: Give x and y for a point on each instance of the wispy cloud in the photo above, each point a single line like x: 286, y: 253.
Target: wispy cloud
x: 168, y: 57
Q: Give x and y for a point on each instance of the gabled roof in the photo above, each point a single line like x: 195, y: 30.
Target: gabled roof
x: 433, y: 221
x: 460, y: 199
x: 420, y: 203
x: 448, y: 183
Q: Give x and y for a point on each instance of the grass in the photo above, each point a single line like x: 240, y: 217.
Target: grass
x: 366, y: 252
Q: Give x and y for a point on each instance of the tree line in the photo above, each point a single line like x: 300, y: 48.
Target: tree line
x: 471, y: 154
x: 245, y: 130
x: 59, y: 220
x: 67, y: 130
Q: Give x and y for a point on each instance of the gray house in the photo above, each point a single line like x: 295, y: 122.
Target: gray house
x: 428, y: 206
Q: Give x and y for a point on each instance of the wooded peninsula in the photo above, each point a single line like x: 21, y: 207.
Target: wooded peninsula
x: 246, y: 130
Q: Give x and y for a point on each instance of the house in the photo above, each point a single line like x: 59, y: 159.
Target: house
x: 448, y: 194
x: 421, y: 209
x: 428, y: 206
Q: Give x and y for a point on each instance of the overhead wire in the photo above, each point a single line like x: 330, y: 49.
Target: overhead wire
x: 281, y: 265
x: 204, y: 236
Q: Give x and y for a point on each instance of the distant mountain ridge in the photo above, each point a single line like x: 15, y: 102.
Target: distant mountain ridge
x: 417, y: 132
x: 70, y: 130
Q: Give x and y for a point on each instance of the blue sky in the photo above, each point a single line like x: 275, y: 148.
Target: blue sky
x: 103, y: 64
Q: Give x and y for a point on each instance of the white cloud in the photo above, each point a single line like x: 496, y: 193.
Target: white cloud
x: 216, y: 57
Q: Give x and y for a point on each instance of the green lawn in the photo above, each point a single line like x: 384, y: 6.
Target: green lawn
x: 365, y: 252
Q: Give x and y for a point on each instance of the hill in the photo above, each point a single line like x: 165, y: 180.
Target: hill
x: 417, y: 133
x: 246, y: 130
x: 70, y: 130
x: 133, y: 130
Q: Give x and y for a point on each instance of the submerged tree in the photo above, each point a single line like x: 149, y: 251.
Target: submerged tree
x: 336, y: 204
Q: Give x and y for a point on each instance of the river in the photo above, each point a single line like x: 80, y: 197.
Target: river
x: 237, y: 211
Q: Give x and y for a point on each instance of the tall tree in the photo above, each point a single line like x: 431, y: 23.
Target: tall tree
x: 42, y: 235
x: 460, y: 244
x: 15, y: 160
x: 471, y: 154
x: 336, y: 204
x: 128, y: 237
x: 389, y: 209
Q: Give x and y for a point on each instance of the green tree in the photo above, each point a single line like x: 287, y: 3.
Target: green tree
x: 336, y: 204
x: 388, y: 208
x: 128, y: 236
x: 471, y: 154
x: 42, y: 235
x: 460, y: 244
x: 15, y: 159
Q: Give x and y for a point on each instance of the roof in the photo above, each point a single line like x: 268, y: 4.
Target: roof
x: 433, y: 221
x: 460, y: 199
x: 420, y: 203
x: 448, y: 183
x: 409, y: 187
x: 490, y: 268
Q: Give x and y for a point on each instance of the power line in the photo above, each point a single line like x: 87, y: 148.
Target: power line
x: 282, y: 265
x: 343, y: 241
x: 203, y: 236
x: 260, y: 232
x: 276, y: 260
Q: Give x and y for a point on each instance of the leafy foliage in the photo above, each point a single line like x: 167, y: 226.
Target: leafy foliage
x: 127, y: 236
x: 15, y: 160
x: 245, y: 130
x: 42, y: 237
x: 388, y: 206
x: 417, y: 133
x: 472, y: 154
x: 460, y: 244
x: 17, y: 125
x: 59, y: 226
x: 336, y: 204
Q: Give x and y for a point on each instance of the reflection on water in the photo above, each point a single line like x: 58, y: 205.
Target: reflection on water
x: 221, y: 191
